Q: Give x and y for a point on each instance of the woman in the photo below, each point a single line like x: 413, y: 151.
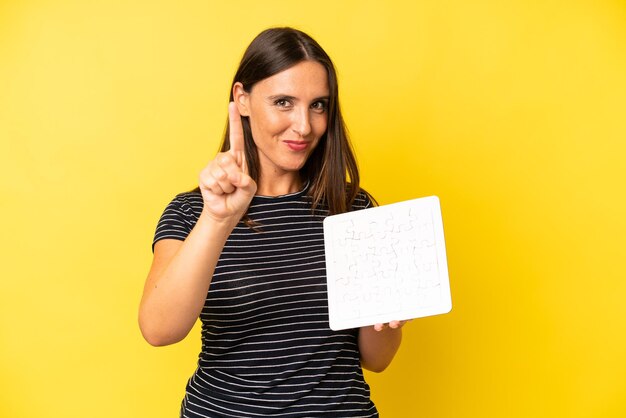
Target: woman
x: 245, y: 252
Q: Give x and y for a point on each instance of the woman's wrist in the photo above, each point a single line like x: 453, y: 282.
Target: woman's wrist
x: 209, y: 220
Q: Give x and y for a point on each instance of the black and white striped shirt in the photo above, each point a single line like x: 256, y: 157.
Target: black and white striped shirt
x: 267, y: 349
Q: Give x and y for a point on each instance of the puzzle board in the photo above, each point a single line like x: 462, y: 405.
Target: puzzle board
x: 386, y: 263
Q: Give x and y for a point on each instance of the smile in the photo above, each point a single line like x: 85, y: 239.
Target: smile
x: 297, y: 145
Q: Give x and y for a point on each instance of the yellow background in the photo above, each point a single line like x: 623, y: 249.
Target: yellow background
x: 512, y: 112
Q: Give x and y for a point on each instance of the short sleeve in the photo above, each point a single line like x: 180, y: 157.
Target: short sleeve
x: 179, y: 217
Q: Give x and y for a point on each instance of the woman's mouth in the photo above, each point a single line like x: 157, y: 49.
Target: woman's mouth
x: 297, y: 145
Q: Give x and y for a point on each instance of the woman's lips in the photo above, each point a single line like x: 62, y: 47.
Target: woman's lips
x: 297, y: 145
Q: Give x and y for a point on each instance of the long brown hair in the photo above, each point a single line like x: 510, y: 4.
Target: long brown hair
x: 331, y: 169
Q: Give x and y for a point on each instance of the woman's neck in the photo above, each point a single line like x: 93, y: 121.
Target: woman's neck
x: 279, y: 185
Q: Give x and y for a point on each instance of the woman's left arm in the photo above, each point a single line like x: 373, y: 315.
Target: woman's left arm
x: 378, y: 345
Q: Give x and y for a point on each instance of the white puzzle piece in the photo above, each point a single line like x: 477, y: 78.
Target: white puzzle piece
x: 386, y: 263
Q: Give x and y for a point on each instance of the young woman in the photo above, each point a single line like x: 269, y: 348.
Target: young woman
x: 244, y: 252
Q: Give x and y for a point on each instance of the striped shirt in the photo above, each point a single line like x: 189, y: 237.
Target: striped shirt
x: 267, y: 349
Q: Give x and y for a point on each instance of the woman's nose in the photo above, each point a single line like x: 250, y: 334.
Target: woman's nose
x: 301, y: 122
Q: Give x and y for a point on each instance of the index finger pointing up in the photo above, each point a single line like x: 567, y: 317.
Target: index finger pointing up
x: 235, y: 130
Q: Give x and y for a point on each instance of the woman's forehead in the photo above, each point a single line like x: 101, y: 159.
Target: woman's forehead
x: 305, y: 79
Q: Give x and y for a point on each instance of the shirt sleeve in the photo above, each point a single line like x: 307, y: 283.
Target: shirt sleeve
x: 177, y: 220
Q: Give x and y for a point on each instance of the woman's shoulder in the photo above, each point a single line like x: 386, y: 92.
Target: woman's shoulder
x: 179, y: 217
x: 189, y: 196
x: 363, y: 200
x: 189, y: 202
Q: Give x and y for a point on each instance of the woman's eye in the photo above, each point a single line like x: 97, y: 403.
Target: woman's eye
x: 319, y: 106
x: 282, y: 103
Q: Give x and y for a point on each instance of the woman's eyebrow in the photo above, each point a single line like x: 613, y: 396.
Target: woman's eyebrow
x: 282, y: 96
x: 293, y: 98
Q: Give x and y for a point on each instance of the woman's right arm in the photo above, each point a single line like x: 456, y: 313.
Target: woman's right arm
x: 181, y: 271
x: 178, y: 282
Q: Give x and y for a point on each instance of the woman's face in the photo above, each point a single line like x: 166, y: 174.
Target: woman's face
x: 288, y: 116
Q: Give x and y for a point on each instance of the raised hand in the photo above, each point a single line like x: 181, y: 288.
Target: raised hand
x: 226, y: 187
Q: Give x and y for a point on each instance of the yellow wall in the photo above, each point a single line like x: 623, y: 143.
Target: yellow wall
x: 513, y: 112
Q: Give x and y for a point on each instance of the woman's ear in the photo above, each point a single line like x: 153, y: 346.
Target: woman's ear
x: 241, y: 99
